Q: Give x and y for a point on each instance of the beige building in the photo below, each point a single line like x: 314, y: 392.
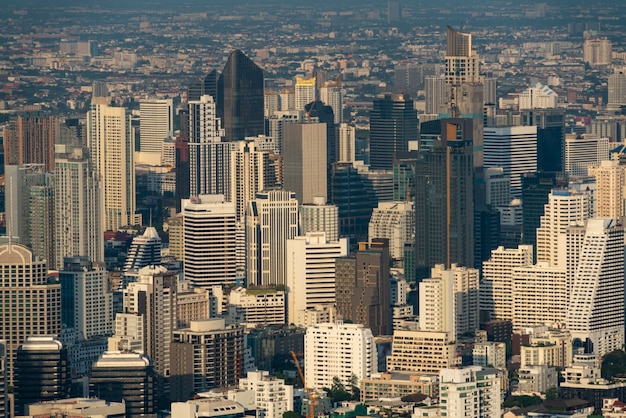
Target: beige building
x: 610, y: 189
x: 192, y: 304
x: 548, y: 347
x: 421, y: 352
x: 256, y: 306
x: 396, y: 385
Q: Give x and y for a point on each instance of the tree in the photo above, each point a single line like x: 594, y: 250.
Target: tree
x: 614, y: 363
x: 552, y: 393
x: 291, y: 414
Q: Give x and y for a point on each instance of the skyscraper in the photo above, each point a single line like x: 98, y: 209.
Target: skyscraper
x: 78, y: 210
x: 331, y: 94
x: 145, y: 250
x: 444, y: 204
x: 462, y: 64
x: 610, y: 193
x: 241, y: 88
x: 393, y: 123
x: 42, y: 228
x: 271, y: 220
x: 156, y: 122
x: 617, y: 89
x: 207, y: 85
x: 112, y: 154
x: 4, y: 401
x: 209, y: 241
x: 362, y: 286
x: 33, y: 301
x: 581, y: 153
x: 320, y: 217
x: 550, y: 125
x: 394, y: 221
x: 19, y: 180
x: 435, y: 93
x: 305, y: 91
x: 304, y: 160
x: 31, y: 139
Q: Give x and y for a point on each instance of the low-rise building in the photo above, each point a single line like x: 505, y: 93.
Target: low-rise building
x: 396, y: 385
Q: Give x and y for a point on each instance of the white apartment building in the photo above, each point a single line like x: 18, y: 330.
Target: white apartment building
x: 581, y: 153
x: 537, y: 379
x: 598, y: 51
x: 489, y: 354
x: 320, y: 217
x: 209, y: 241
x: 331, y: 94
x: 271, y: 395
x: 156, y: 122
x: 338, y: 350
x: 496, y: 289
x: 257, y: 306
x: 311, y: 272
x: 547, y: 346
x: 611, y: 189
x: 538, y: 96
x: 304, y: 92
x: 471, y: 391
x: 396, y: 222
x: 596, y: 305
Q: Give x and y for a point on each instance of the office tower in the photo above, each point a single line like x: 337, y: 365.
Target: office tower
x: 536, y: 188
x: 617, y: 88
x: 42, y: 228
x: 41, y: 372
x: 4, y: 401
x: 540, y: 295
x: 271, y: 220
x: 152, y: 300
x: 206, y: 85
x: 393, y: 123
x: 145, y: 250
x: 496, y: 288
x: 581, y: 153
x: 394, y: 11
x: 304, y: 160
x: 598, y: 51
x: 111, y: 149
x: 252, y: 171
x: 394, y: 221
x: 78, y: 211
x: 207, y: 355
x: 30, y: 140
x: 466, y: 301
x: 338, y: 351
x: 421, y: 352
x: 276, y: 123
x: 355, y: 203
x: 378, y: 183
x: 156, y: 122
x: 209, y: 241
x: 564, y: 208
x: 19, y: 180
x: 320, y: 217
x: 490, y: 90
x: 272, y: 395
x: 444, y: 204
x: 471, y: 391
x: 304, y: 92
x: 331, y: 94
x: 311, y: 272
x: 404, y: 166
x: 538, y: 96
x: 497, y: 187
x: 318, y: 111
x: 99, y: 89
x: 596, y: 306
x: 241, y: 88
x: 128, y: 377
x: 435, y: 94
x: 86, y: 302
x: 362, y: 286
x: 514, y: 148
x: 550, y: 125
x: 209, y: 157
x: 183, y: 173
x: 610, y: 193
x: 35, y: 303
x: 346, y: 143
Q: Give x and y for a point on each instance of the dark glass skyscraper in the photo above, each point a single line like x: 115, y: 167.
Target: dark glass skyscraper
x: 550, y: 125
x: 206, y: 85
x: 393, y: 123
x: 241, y: 98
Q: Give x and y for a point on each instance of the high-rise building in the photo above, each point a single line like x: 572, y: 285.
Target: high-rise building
x: 41, y: 372
x: 256, y: 306
x: 183, y: 173
x: 444, y: 204
x: 4, y: 401
x: 271, y: 220
x: 338, y: 351
x: 362, y: 286
x: 271, y: 395
x: 346, y: 143
x: 435, y: 94
x: 611, y: 187
x: 305, y: 160
x: 596, y: 305
x: 462, y: 63
x: 78, y: 210
x: 393, y: 123
x: 496, y: 288
x: 331, y: 94
x: 19, y: 180
x: 241, y: 96
x: 394, y: 221
x: 617, y: 89
x: 581, y: 153
x: 304, y: 92
x: 276, y: 124
x: 128, y: 377
x: 597, y: 51
x: 550, y: 125
x: 111, y: 147
x: 30, y: 140
x: 205, y: 356
x: 156, y: 122
x: 311, y: 272
x: 423, y: 352
x: 209, y: 241
x: 514, y: 148
x: 209, y: 157
x: 29, y: 298
x: 42, y: 227
x: 206, y: 85
x: 86, y: 302
x: 538, y: 96
x: 471, y: 391
x: 394, y: 11
x: 145, y: 250
x: 318, y: 111
x: 320, y: 217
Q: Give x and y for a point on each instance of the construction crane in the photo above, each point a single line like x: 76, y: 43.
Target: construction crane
x: 311, y: 393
